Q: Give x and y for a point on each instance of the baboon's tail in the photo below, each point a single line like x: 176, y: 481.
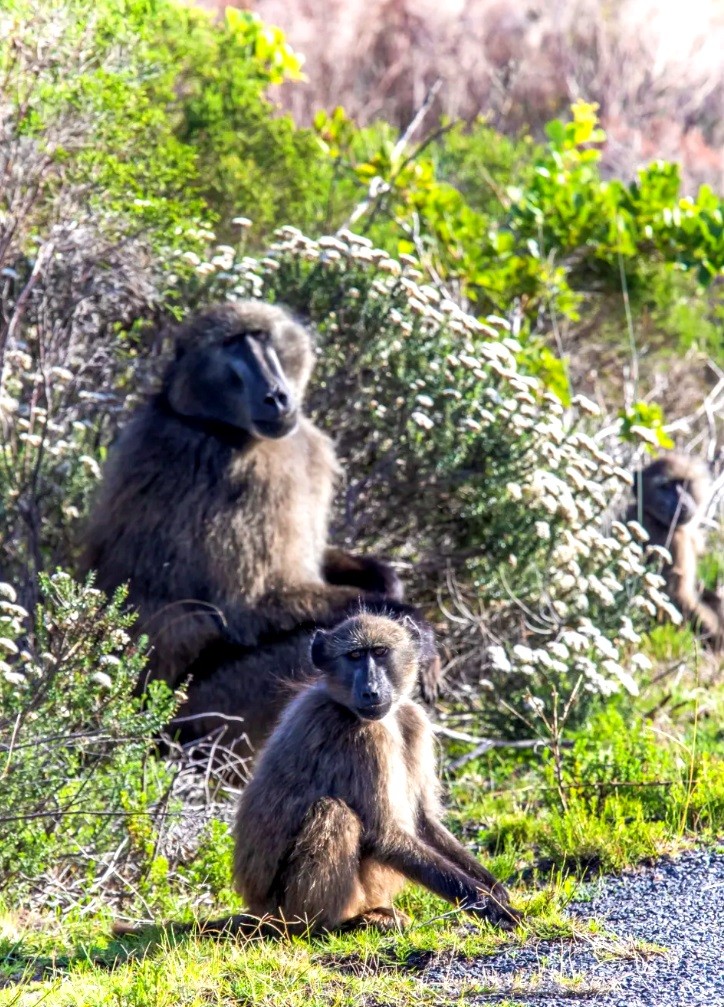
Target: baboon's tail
x: 239, y: 925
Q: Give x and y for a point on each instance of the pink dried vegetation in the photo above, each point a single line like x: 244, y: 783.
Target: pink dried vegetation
x: 654, y: 68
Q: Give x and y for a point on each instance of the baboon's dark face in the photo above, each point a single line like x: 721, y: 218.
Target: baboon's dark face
x: 369, y: 663
x: 673, y: 494
x: 240, y: 383
x: 670, y: 502
x: 360, y: 680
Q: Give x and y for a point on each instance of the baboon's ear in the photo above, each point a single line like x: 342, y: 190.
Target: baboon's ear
x: 319, y: 649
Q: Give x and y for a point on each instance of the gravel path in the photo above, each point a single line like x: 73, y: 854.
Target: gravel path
x: 676, y: 904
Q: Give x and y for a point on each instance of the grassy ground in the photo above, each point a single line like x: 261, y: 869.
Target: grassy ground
x: 634, y: 784
x: 67, y: 964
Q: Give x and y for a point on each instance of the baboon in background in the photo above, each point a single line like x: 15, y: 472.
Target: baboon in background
x: 671, y: 498
x: 343, y: 805
x: 215, y: 506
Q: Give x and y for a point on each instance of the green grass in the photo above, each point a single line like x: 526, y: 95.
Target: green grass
x: 68, y: 964
x: 634, y: 786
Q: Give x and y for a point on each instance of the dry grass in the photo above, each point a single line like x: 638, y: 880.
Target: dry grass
x: 655, y: 68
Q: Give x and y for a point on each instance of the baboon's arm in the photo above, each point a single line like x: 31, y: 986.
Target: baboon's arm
x: 184, y: 629
x: 364, y: 572
x: 710, y: 613
x: 704, y: 608
x: 188, y: 630
x: 306, y: 607
x: 437, y: 836
x: 423, y: 864
x: 180, y: 631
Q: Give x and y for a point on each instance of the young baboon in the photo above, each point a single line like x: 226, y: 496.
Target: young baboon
x: 671, y: 498
x: 215, y: 507
x: 344, y: 804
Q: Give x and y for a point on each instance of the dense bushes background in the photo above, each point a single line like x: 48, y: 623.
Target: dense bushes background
x: 481, y: 284
x: 79, y: 783
x: 655, y: 69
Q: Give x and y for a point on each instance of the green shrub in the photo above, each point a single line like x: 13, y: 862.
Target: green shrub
x: 626, y: 791
x: 482, y: 164
x: 541, y: 233
x: 147, y: 107
x: 210, y: 872
x: 79, y: 789
x: 249, y: 159
x: 465, y: 468
x: 82, y: 112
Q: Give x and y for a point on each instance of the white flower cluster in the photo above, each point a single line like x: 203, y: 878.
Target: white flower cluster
x: 12, y: 619
x: 44, y: 437
x: 596, y: 582
x: 70, y: 605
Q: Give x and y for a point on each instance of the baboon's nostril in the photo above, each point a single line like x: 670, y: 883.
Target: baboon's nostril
x: 278, y: 397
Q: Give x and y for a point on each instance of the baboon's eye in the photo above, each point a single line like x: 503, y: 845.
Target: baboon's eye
x: 379, y: 651
x: 233, y: 344
x: 354, y: 655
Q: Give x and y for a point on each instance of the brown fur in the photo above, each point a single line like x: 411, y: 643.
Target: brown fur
x: 222, y: 535
x: 671, y: 498
x: 342, y: 810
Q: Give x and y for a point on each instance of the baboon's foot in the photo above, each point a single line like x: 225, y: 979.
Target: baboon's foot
x: 381, y: 918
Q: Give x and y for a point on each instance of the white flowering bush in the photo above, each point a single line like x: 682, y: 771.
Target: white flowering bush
x: 79, y: 794
x: 49, y: 454
x: 471, y: 473
x: 458, y: 463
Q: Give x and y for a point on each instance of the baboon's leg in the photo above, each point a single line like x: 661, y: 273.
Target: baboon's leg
x: 381, y: 883
x: 436, y: 835
x: 320, y: 885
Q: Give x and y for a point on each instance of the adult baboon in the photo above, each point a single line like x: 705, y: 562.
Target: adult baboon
x: 343, y: 806
x: 215, y: 506
x: 671, y: 498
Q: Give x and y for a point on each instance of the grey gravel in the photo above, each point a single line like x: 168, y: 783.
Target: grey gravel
x: 675, y: 904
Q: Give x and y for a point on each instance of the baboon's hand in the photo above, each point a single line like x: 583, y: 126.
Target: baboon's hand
x: 367, y: 573
x: 495, y: 908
